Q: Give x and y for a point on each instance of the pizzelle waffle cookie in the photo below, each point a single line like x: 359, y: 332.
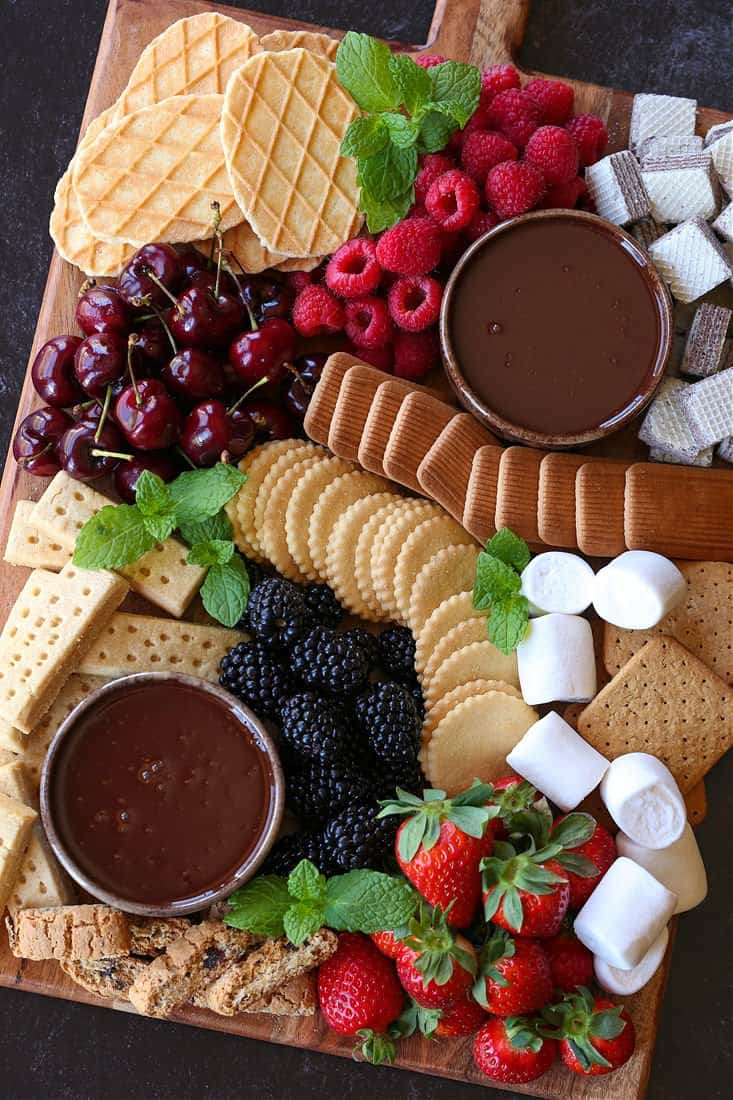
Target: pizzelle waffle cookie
x: 247, y: 248
x: 284, y: 117
x: 75, y: 241
x: 321, y: 44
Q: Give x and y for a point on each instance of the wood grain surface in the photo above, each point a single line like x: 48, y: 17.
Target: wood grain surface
x: 483, y: 32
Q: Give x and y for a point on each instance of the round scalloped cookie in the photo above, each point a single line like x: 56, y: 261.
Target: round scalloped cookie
x: 273, y: 537
x: 463, y: 634
x: 474, y: 738
x: 284, y: 462
x: 456, y: 609
x: 449, y: 571
x: 260, y: 457
x: 459, y: 695
x: 363, y: 556
x: 386, y: 548
x: 341, y: 552
x: 420, y: 546
x: 301, y: 505
x: 332, y: 503
x: 478, y: 661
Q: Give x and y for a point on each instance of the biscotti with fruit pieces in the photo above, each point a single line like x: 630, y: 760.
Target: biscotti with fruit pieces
x: 69, y: 932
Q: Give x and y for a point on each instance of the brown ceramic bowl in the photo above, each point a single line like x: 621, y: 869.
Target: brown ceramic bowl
x: 249, y: 863
x: 513, y: 429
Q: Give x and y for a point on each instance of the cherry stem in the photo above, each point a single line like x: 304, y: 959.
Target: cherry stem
x: 238, y: 402
x: 185, y: 457
x: 131, y: 342
x: 103, y: 417
x: 86, y: 285
x: 25, y: 461
x: 216, y: 235
x: 161, y: 286
x: 252, y: 320
x: 97, y: 453
x: 218, y: 265
x: 159, y: 314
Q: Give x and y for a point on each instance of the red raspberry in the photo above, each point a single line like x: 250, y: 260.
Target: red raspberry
x: 414, y: 302
x: 452, y: 200
x: 555, y: 152
x: 415, y: 354
x: 367, y: 322
x: 591, y: 136
x: 495, y: 79
x: 353, y: 269
x: 482, y: 223
x: 432, y: 165
x: 316, y: 311
x: 412, y: 247
x: 429, y: 60
x: 513, y: 188
x: 482, y: 150
x: 556, y: 99
x: 297, y: 280
x: 479, y: 120
x: 564, y: 196
x: 381, y: 358
x: 516, y: 115
x: 451, y: 247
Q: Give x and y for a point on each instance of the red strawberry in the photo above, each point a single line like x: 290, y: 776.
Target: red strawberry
x: 525, y: 892
x: 570, y: 962
x: 388, y: 944
x: 514, y: 976
x: 463, y: 1018
x: 600, y: 849
x: 437, y: 967
x: 595, y: 1035
x: 440, y: 845
x: 511, y: 1051
x: 358, y: 993
x: 512, y: 795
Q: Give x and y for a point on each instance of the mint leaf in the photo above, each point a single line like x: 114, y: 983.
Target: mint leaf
x: 509, y: 548
x: 508, y: 623
x: 411, y: 81
x: 363, y: 68
x: 152, y: 495
x: 495, y: 581
x: 364, y: 137
x: 260, y: 906
x: 225, y: 591
x: 213, y: 552
x: 213, y: 527
x: 160, y: 527
x: 201, y: 493
x: 457, y: 86
x: 402, y: 131
x: 389, y: 173
x: 382, y: 214
x: 116, y: 535
x: 302, y: 920
x: 435, y: 132
x: 306, y: 883
x: 368, y: 901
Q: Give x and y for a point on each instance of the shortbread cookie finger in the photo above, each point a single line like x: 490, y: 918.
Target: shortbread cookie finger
x: 300, y: 508
x: 478, y: 661
x: 272, y: 530
x: 333, y: 501
x: 420, y: 546
x: 451, y: 570
x: 341, y: 552
x: 387, y: 546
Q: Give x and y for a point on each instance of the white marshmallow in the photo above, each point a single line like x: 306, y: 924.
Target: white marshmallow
x: 625, y: 982
x: 557, y: 761
x: 557, y: 581
x: 679, y: 867
x: 556, y: 660
x: 641, y: 795
x: 624, y: 915
x: 637, y: 589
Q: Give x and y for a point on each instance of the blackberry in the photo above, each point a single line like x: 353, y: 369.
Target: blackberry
x: 288, y: 851
x: 397, y: 652
x: 415, y: 690
x: 256, y: 677
x: 335, y: 663
x: 324, y: 608
x: 356, y: 837
x: 277, y: 612
x: 386, y: 780
x: 388, y: 718
x: 369, y: 642
x: 319, y: 788
x: 313, y: 726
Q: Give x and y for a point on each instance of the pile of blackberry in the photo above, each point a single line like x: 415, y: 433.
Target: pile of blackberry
x: 349, y: 710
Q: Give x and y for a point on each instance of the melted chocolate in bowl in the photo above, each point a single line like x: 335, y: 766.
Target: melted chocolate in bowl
x: 160, y: 792
x: 555, y: 326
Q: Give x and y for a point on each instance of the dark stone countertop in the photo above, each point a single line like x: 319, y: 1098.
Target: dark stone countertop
x: 57, y: 1050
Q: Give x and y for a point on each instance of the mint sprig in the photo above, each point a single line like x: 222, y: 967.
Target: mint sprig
x: 408, y: 110
x: 497, y: 589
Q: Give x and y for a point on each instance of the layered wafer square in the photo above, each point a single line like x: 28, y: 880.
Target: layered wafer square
x: 445, y: 470
x: 599, y: 507
x: 518, y: 490
x: 418, y: 424
x: 707, y: 406
x: 353, y: 405
x: 480, y: 509
x: 654, y: 116
x: 679, y: 511
x: 705, y: 343
x: 691, y: 260
x: 617, y: 189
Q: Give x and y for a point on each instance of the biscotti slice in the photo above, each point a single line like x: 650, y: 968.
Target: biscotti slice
x: 54, y: 621
x: 109, y: 978
x: 41, y: 881
x: 141, y: 643
x: 28, y: 546
x: 298, y: 997
x: 187, y: 964
x: 163, y: 576
x: 16, y: 823
x: 265, y: 970
x: 69, y: 932
x: 152, y: 935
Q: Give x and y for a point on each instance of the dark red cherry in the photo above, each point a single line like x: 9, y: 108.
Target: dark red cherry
x: 270, y: 420
x: 194, y: 375
x: 241, y: 432
x: 210, y: 432
x: 152, y: 347
x: 127, y: 473
x: 206, y: 279
x: 135, y: 281
x: 101, y: 309
x: 192, y: 261
x: 264, y: 352
x: 306, y: 370
x: 86, y: 453
x: 201, y: 320
x: 266, y: 298
x: 53, y: 372
x: 100, y: 361
x: 35, y: 446
x: 148, y: 416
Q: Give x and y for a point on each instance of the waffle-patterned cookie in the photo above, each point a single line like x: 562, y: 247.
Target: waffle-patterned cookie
x: 74, y: 240
x: 681, y: 187
x: 615, y: 186
x: 708, y: 408
x: 691, y: 260
x: 723, y: 224
x: 153, y: 175
x: 706, y: 340
x: 285, y: 115
x: 722, y: 151
x: 665, y: 426
x: 659, y: 116
x: 244, y: 244
x: 321, y: 44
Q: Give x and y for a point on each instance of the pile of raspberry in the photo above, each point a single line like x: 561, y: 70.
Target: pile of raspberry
x: 522, y: 149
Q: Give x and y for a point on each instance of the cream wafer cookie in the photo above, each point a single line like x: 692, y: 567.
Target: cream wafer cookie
x: 28, y: 546
x: 654, y: 116
x: 681, y: 187
x: 705, y: 343
x: 354, y: 402
x: 665, y: 426
x: 422, y: 544
x: 722, y: 154
x: 75, y: 689
x: 483, y: 484
x: 380, y: 421
x: 451, y: 570
x: 707, y: 407
x: 723, y: 224
x: 724, y: 450
x: 702, y: 458
x: 459, y: 695
x: 319, y: 414
x: 334, y: 500
x: 645, y: 231
x: 691, y: 260
x: 273, y: 533
x: 445, y: 470
x: 363, y: 556
x: 342, y: 550
x: 386, y: 548
x: 617, y: 189
x: 419, y: 422
x: 456, y: 609
x: 300, y: 507
x: 657, y: 496
x: 668, y: 146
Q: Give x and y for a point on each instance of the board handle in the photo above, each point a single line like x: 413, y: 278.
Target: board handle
x: 484, y: 32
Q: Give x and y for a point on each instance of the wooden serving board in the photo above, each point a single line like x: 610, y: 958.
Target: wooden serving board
x: 483, y: 32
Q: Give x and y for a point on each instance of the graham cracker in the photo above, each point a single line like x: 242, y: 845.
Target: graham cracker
x: 380, y: 421
x: 363, y: 556
x: 423, y: 543
x: 333, y: 501
x: 50, y: 629
x: 696, y: 801
x: 318, y: 416
x: 445, y: 471
x: 342, y: 548
x: 702, y: 623
x: 451, y: 570
x: 599, y: 507
x: 456, y: 609
x: 28, y: 546
x: 666, y: 702
x: 354, y: 402
x: 16, y: 823
x: 419, y: 422
x: 518, y: 491
x: 303, y: 499
x: 680, y: 511
x: 72, y: 693
x: 480, y: 509
x: 140, y: 643
x: 556, y: 499
x: 273, y: 534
